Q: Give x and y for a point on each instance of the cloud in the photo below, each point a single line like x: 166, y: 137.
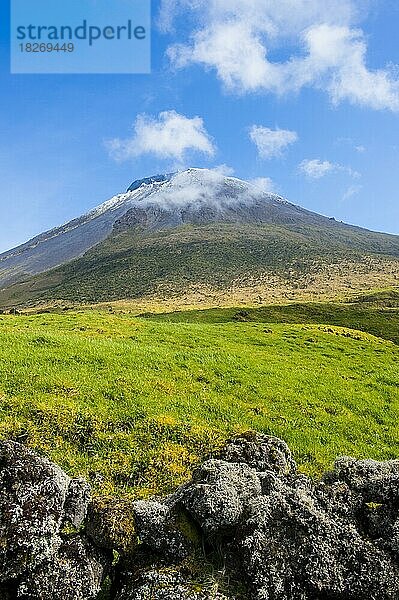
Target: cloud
x: 351, y: 172
x: 236, y: 40
x: 352, y: 190
x: 339, y: 55
x: 347, y: 141
x: 271, y: 142
x: 207, y: 188
x: 265, y: 184
x: 272, y: 16
x: 316, y: 168
x: 168, y: 136
x: 224, y: 170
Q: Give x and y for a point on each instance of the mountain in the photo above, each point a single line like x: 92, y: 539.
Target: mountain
x: 200, y: 232
x: 73, y: 239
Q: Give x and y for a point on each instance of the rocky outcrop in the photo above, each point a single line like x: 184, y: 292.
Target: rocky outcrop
x: 75, y: 571
x: 41, y: 508
x: 247, y: 526
x: 165, y: 584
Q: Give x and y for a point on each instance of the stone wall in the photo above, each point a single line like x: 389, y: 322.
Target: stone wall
x: 247, y: 525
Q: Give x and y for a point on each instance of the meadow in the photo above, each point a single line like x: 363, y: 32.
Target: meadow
x: 134, y: 403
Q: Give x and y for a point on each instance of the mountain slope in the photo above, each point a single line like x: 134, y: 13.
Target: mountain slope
x: 202, y: 233
x: 62, y: 244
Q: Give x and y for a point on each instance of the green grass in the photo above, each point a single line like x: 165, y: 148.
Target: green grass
x: 377, y: 314
x: 133, y: 404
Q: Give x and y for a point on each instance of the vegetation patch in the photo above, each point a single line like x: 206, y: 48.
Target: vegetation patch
x: 134, y: 404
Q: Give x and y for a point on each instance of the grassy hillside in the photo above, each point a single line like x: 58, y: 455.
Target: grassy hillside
x: 377, y: 314
x: 264, y: 260
x: 133, y: 404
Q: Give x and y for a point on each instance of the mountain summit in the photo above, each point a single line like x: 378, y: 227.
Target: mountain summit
x: 193, y: 228
x: 194, y: 196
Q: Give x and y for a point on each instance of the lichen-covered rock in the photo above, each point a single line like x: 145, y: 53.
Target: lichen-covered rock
x: 165, y: 529
x: 39, y: 503
x: 295, y: 546
x: 261, y: 452
x: 32, y: 497
x: 283, y: 535
x: 76, y: 502
x: 218, y: 494
x: 376, y: 486
x: 165, y: 584
x: 375, y: 481
x: 7, y: 592
x: 76, y: 572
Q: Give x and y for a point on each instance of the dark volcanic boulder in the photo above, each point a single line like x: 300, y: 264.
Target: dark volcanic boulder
x: 375, y: 481
x: 219, y: 493
x: 376, y: 485
x: 165, y: 584
x: 166, y: 529
x: 294, y: 539
x: 295, y: 546
x: 266, y: 531
x: 76, y: 571
x: 36, y: 499
x: 261, y: 452
x: 38, y: 504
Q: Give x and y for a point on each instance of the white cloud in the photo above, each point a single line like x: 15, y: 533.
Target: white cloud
x: 271, y: 16
x: 351, y: 172
x: 339, y: 55
x: 352, y: 190
x: 316, y: 168
x: 224, y: 170
x: 266, y: 184
x: 230, y: 48
x: 169, y: 136
x: 347, y: 141
x: 235, y: 39
x: 271, y: 142
x: 209, y: 188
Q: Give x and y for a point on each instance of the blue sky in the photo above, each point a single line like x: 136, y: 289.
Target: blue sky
x: 302, y: 97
